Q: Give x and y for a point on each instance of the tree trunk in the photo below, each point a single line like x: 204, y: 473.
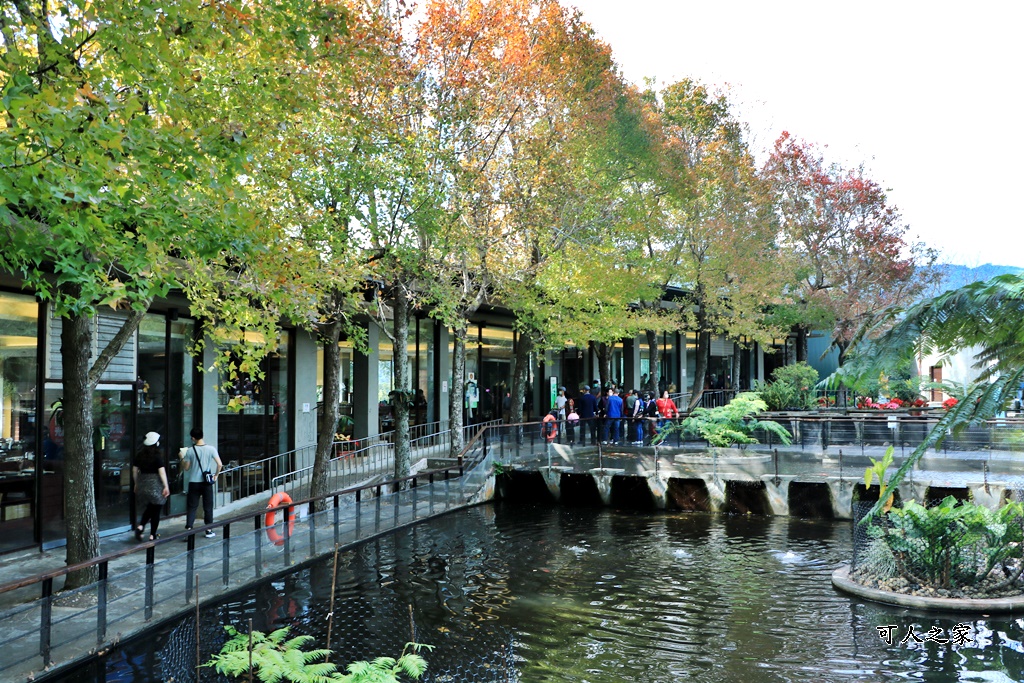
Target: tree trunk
x: 520, y: 377
x: 604, y: 364
x: 701, y: 369
x: 320, y: 483
x: 737, y: 354
x: 654, y: 378
x: 402, y: 396
x: 457, y: 396
x: 83, y: 536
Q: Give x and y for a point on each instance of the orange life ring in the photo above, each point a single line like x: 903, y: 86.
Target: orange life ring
x: 281, y: 498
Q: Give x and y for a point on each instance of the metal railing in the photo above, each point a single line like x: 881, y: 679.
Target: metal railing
x: 817, y: 435
x: 352, y: 461
x: 157, y: 580
x: 135, y: 589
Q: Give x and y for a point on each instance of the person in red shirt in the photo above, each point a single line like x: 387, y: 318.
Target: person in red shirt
x: 666, y: 408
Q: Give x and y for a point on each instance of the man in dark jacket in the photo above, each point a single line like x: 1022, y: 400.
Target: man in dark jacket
x: 587, y: 411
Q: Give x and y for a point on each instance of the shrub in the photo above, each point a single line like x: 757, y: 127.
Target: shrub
x: 792, y: 386
x: 954, y: 544
x: 733, y: 423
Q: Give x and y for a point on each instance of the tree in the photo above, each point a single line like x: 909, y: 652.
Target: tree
x: 855, y: 258
x: 562, y: 183
x: 717, y: 231
x: 121, y: 170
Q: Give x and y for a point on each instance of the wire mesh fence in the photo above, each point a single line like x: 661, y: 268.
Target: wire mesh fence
x: 946, y: 547
x: 362, y: 628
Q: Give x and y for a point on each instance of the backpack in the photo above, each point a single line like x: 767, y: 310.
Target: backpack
x: 652, y: 409
x: 638, y: 407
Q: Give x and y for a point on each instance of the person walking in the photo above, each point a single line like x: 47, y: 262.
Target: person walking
x: 151, y: 489
x: 202, y: 464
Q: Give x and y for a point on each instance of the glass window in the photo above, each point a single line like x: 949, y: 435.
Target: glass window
x: 252, y: 410
x: 347, y: 368
x: 19, y: 325
x: 495, y: 371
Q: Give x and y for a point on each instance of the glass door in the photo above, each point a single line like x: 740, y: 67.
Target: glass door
x: 113, y: 444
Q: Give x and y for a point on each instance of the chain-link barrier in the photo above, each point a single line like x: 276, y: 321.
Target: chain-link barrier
x: 944, y: 548
x: 363, y: 628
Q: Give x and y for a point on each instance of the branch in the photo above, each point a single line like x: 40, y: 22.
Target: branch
x: 131, y: 324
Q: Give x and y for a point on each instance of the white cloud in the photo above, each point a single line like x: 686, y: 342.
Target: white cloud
x: 926, y: 95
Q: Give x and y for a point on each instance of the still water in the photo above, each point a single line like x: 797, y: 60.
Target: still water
x: 528, y: 593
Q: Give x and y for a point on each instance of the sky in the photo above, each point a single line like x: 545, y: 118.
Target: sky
x: 927, y: 96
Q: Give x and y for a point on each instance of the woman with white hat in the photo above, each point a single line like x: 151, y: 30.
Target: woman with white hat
x: 151, y: 488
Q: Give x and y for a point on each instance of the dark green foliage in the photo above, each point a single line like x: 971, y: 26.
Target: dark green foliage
x: 730, y: 424
x: 276, y: 658
x: 792, y: 387
x: 954, y: 544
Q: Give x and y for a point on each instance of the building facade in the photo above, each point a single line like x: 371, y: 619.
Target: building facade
x: 155, y: 384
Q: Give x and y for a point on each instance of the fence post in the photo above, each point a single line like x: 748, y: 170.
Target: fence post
x: 257, y: 546
x: 397, y: 495
x: 101, y: 603
x: 226, y: 555
x: 376, y: 515
x: 150, y: 561
x: 190, y: 563
x: 312, y: 529
x: 46, y: 622
x: 337, y: 519
x: 287, y: 538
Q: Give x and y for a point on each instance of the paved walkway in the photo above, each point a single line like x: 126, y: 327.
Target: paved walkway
x: 138, y: 595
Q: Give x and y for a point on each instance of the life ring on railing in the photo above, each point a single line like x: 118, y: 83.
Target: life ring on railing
x: 277, y: 499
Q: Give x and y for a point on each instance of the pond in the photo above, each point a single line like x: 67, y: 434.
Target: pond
x: 517, y: 592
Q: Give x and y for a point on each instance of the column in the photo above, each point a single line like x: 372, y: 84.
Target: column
x: 442, y: 375
x: 631, y: 363
x: 304, y: 406
x: 209, y: 417
x: 366, y: 414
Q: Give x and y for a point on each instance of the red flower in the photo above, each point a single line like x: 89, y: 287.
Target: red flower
x: 949, y: 403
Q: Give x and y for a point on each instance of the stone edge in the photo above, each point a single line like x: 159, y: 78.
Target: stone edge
x: 841, y: 581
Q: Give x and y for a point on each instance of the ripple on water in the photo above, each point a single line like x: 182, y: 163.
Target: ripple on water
x: 573, y: 595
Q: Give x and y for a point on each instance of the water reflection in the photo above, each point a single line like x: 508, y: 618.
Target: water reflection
x: 535, y: 594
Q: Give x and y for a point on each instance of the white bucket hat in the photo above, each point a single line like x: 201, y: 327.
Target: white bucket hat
x: 151, y: 439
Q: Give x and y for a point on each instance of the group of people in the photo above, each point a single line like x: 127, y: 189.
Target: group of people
x: 200, y: 464
x: 608, y: 417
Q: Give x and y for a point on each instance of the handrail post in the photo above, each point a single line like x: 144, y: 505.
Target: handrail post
x: 101, y: 603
